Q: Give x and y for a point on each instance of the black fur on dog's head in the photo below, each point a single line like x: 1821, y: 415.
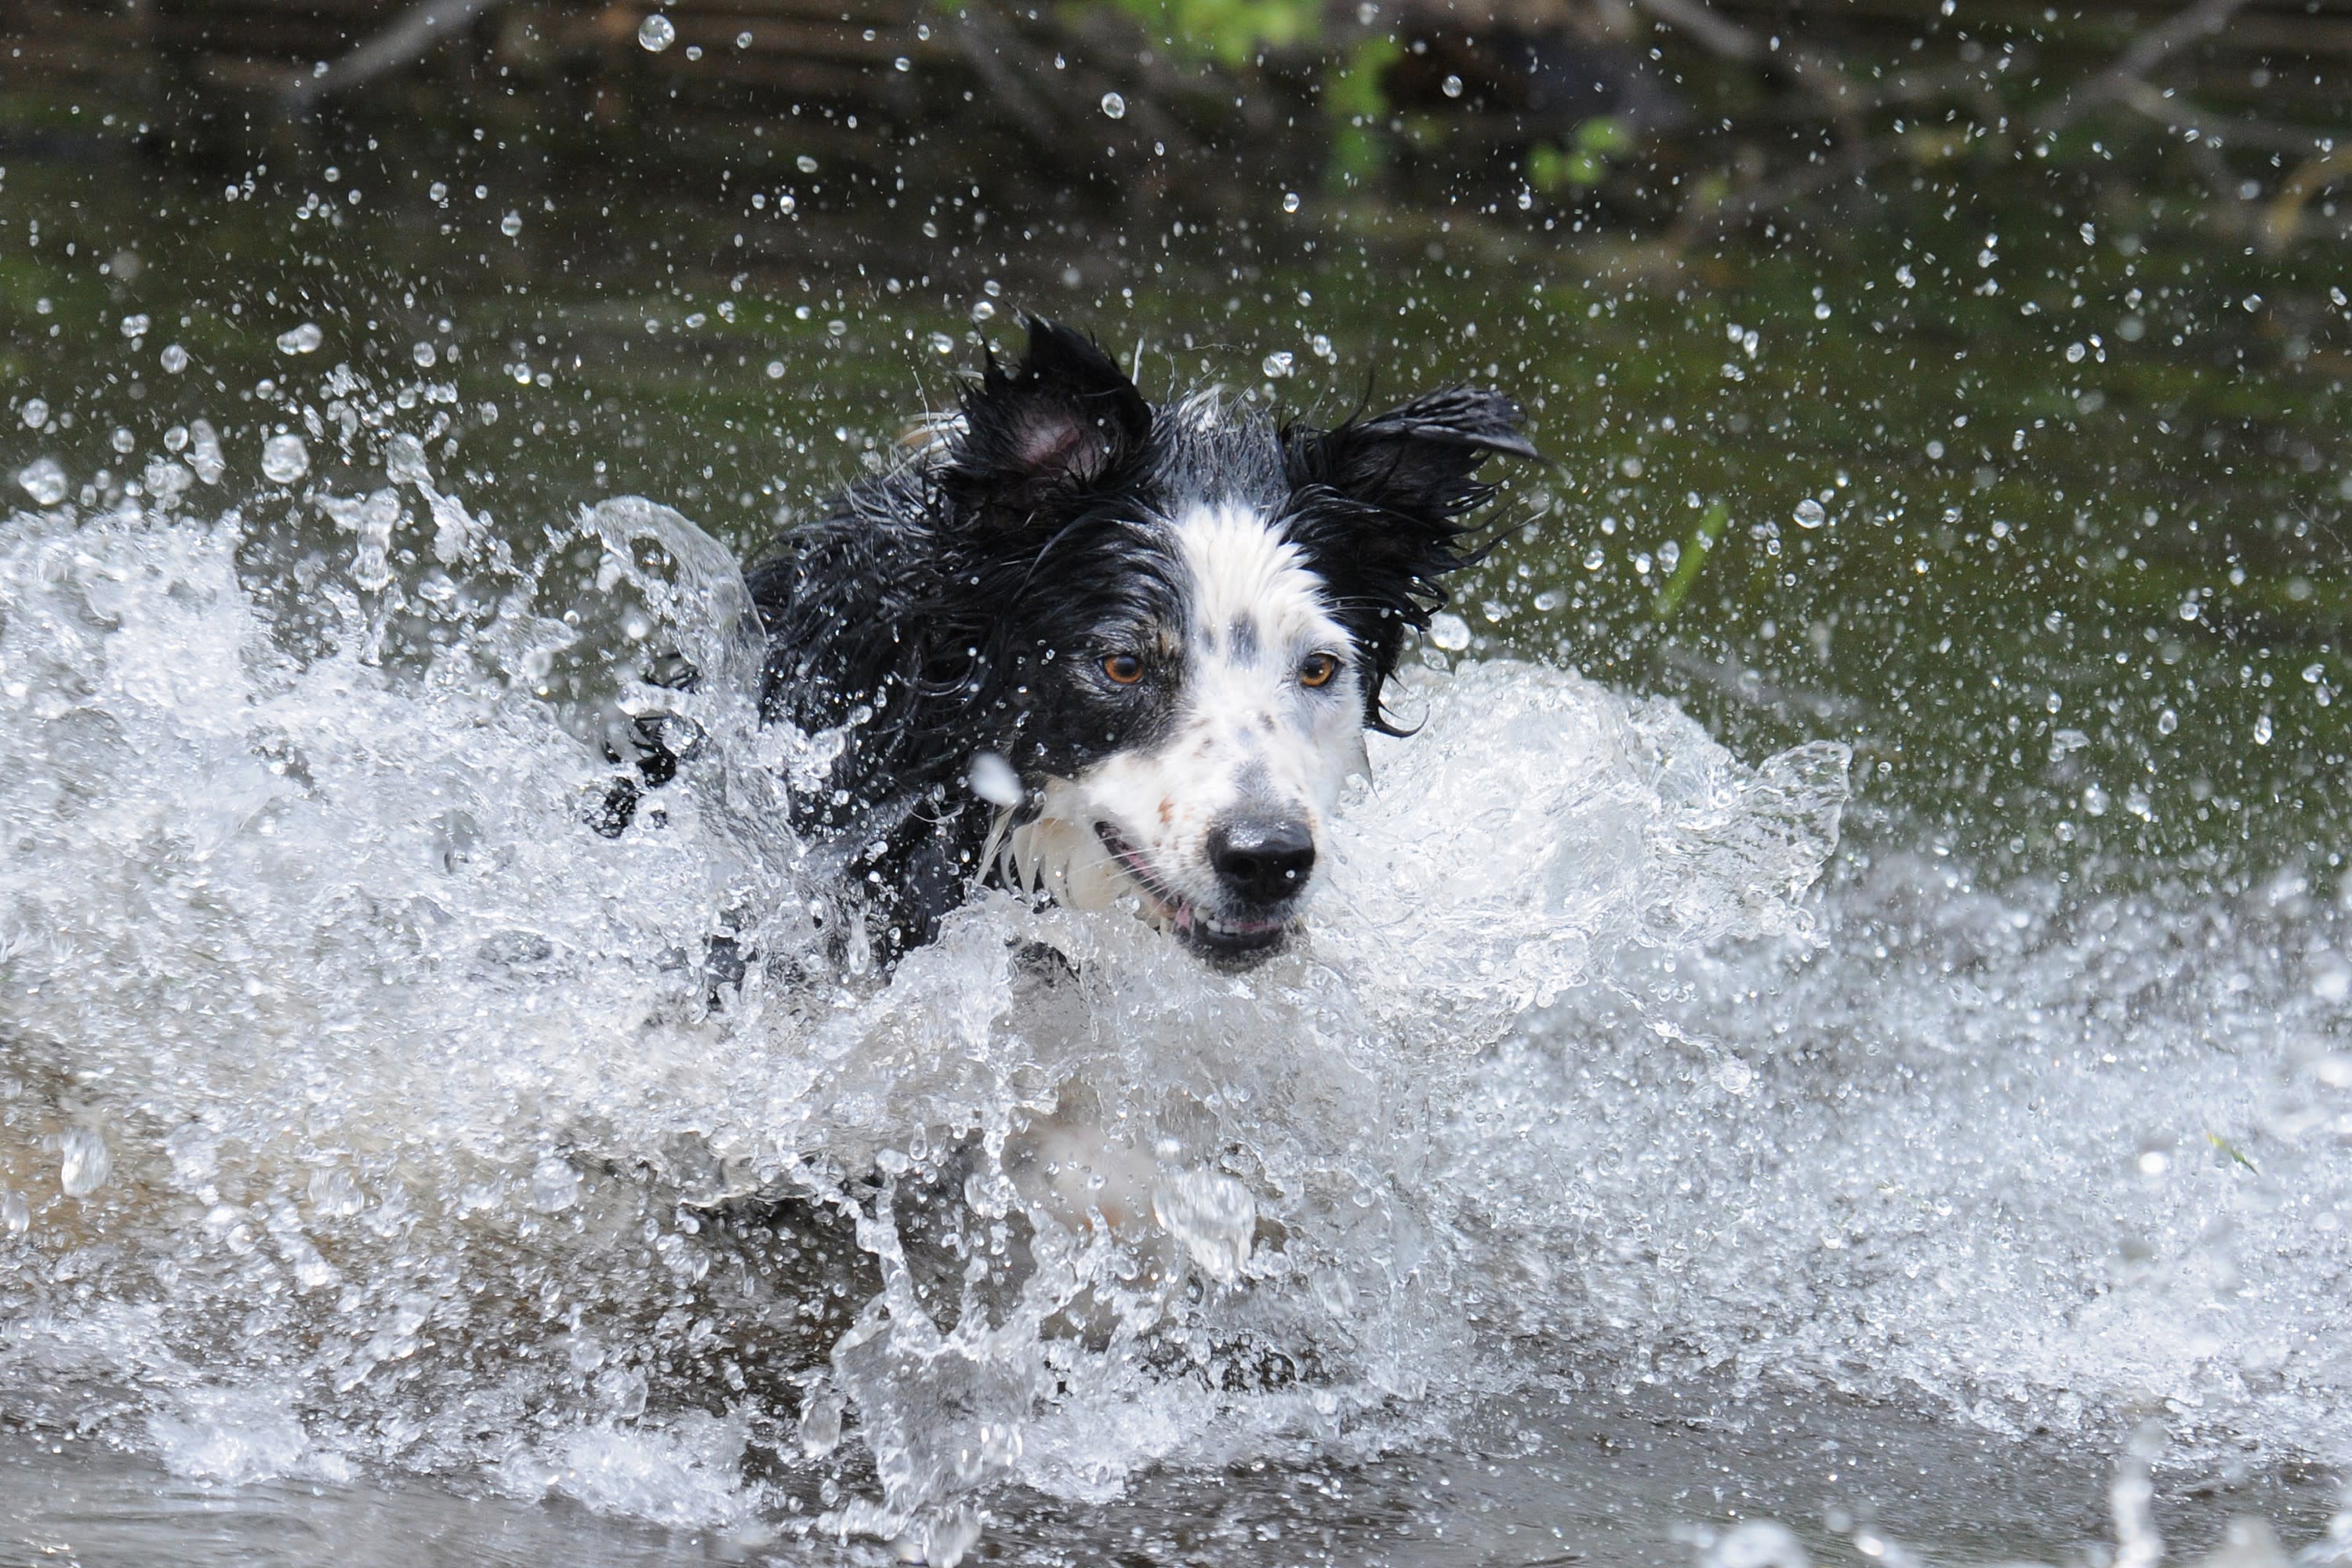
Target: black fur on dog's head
x: 1112, y: 597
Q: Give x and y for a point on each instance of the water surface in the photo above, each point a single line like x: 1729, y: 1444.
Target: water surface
x: 1837, y: 1019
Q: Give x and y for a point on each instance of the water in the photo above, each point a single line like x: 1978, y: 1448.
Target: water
x: 1864, y: 1057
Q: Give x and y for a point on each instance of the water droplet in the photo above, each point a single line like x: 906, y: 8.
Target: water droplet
x: 1822, y: 311
x: 510, y: 224
x: 2262, y: 730
x: 122, y: 440
x: 426, y: 355
x: 437, y: 190
x: 37, y: 413
x: 1594, y: 560
x: 902, y: 63
x: 303, y: 340
x: 993, y: 780
x: 1114, y: 106
x: 335, y: 1194
x: 2074, y: 353
x: 174, y: 358
x: 284, y: 459
x: 1808, y: 513
x: 554, y: 1186
x: 87, y: 1165
x: 821, y: 1422
x: 44, y: 481
x: 1213, y: 1217
x: 136, y: 327
x: 204, y: 451
x: 744, y: 40
x: 775, y: 369
x: 982, y: 311
x: 804, y: 163
x: 654, y: 34
x: 1449, y: 631
x: 942, y: 344
x: 1451, y: 86
x: 1277, y: 365
x: 1290, y: 201
x: 2166, y: 723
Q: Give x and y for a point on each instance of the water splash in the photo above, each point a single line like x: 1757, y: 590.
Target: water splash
x: 435, y: 1130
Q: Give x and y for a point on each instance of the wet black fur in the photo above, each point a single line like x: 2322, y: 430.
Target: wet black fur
x: 963, y: 603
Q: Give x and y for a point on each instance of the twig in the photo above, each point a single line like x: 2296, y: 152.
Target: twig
x: 2284, y: 219
x: 1004, y: 85
x: 408, y: 40
x: 2131, y: 68
x: 2217, y: 130
x: 1717, y: 36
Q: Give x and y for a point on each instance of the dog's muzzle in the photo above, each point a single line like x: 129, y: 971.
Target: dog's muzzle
x: 1262, y: 862
x: 1262, y: 866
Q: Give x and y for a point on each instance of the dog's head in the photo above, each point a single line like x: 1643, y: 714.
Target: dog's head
x: 1193, y: 615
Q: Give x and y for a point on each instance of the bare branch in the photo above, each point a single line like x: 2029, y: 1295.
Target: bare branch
x: 2222, y: 130
x: 2131, y: 68
x: 1717, y: 36
x: 408, y: 40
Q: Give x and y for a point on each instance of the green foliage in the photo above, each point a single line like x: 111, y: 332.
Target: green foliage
x: 1695, y: 550
x: 1356, y: 106
x: 1584, y: 161
x: 1231, y: 32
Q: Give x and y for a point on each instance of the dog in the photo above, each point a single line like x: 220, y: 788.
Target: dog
x: 1103, y: 652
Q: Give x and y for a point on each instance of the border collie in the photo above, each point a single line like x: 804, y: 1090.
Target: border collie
x: 1100, y: 651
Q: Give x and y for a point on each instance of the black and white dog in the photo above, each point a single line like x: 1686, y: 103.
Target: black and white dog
x: 1105, y: 652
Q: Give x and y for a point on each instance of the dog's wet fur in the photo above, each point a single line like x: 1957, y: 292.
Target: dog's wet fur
x: 1105, y: 651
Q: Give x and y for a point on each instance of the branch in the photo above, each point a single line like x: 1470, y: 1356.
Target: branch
x: 1005, y: 88
x: 1718, y: 36
x: 2217, y: 130
x: 407, y: 41
x: 2146, y: 52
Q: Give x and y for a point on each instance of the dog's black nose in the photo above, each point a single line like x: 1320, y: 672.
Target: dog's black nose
x: 1262, y: 859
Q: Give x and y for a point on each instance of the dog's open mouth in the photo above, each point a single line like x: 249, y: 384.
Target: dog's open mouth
x: 1228, y: 938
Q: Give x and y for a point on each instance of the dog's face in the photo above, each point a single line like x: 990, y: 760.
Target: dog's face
x: 1197, y: 617
x: 1237, y: 705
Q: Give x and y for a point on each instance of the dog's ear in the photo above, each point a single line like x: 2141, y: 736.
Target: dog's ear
x: 1061, y: 422
x: 1377, y: 505
x: 1419, y: 461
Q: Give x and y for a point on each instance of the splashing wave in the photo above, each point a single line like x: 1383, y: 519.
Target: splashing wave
x: 361, y: 1106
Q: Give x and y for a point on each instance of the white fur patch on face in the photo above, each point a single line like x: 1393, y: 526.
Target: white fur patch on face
x: 1249, y: 740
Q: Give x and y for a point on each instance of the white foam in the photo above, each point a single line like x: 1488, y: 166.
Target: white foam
x: 416, y: 1110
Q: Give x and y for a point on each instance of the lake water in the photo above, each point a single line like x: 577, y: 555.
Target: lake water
x: 1830, y: 1041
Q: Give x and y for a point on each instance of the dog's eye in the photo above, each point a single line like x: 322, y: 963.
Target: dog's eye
x: 1319, y: 669
x: 1124, y: 669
